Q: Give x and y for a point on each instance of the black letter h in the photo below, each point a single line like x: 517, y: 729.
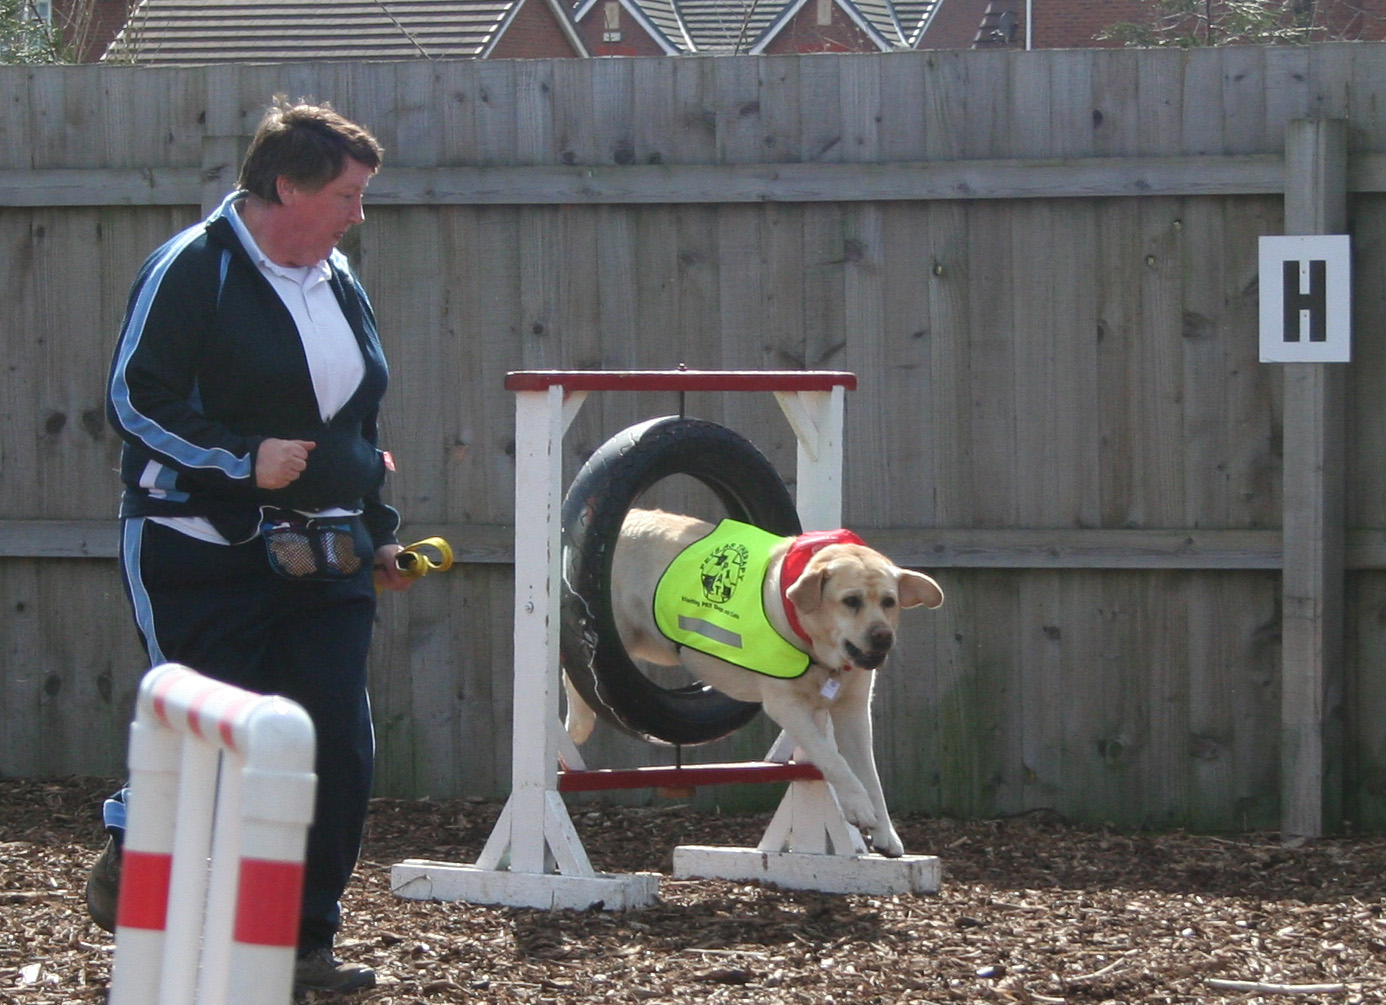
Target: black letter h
x: 1315, y: 301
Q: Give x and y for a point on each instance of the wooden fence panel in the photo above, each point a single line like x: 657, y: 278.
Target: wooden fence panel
x: 1365, y: 698
x: 1366, y: 502
x: 1050, y: 304
x: 25, y: 663
x: 987, y: 276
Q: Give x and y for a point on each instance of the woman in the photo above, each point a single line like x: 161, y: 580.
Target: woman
x: 246, y: 385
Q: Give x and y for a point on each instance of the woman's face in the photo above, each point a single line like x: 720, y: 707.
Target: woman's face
x: 318, y: 220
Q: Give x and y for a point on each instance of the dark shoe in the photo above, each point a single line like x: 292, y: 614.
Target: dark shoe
x: 319, y: 970
x: 103, y: 886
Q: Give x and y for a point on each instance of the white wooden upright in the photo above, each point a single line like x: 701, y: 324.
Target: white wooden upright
x: 534, y: 857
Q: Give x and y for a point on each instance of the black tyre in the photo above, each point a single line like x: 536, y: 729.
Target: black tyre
x: 596, y: 504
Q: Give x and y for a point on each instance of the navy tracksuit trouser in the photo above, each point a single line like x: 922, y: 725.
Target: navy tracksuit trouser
x: 222, y: 611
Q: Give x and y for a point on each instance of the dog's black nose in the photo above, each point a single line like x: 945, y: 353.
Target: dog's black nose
x: 879, y: 639
x: 875, y: 649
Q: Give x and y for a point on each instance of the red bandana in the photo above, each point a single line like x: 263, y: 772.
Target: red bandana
x: 796, y: 559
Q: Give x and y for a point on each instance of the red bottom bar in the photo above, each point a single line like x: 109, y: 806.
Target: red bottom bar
x: 684, y: 777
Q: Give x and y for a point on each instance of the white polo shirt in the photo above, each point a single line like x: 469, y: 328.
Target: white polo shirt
x: 334, y: 358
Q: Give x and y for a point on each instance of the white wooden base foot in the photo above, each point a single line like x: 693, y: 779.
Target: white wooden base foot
x: 864, y: 874
x: 419, y: 879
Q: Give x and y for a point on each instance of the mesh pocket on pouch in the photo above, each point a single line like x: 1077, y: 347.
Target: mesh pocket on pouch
x: 302, y: 547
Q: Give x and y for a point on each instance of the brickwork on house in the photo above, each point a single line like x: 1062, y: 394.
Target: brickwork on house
x: 89, y: 25
x: 1075, y: 24
x: 954, y: 25
x: 1358, y: 20
x: 533, y: 33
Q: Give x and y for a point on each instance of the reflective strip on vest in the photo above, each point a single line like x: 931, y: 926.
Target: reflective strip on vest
x: 710, y: 599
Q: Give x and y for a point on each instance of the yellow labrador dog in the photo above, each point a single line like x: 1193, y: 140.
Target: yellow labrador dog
x: 797, y: 624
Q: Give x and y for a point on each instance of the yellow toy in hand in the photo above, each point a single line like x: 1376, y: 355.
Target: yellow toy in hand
x: 418, y: 559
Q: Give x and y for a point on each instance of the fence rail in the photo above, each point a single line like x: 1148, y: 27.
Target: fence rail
x: 546, y: 185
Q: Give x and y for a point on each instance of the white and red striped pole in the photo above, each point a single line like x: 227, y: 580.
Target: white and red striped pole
x: 220, y: 799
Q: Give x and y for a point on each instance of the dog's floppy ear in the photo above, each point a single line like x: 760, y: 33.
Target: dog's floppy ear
x: 917, y: 588
x: 807, y: 592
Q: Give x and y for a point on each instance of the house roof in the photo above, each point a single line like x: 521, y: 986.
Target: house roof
x: 723, y: 26
x: 663, y: 17
x: 855, y: 13
x: 914, y: 17
x: 213, y: 31
x: 658, y: 18
x: 209, y: 31
x: 900, y: 22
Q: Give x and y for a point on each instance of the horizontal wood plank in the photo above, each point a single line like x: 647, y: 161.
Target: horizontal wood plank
x: 471, y: 543
x: 712, y: 183
x: 101, y: 187
x: 828, y: 182
x: 925, y: 548
x: 59, y: 539
x: 1079, y: 549
x: 1084, y: 177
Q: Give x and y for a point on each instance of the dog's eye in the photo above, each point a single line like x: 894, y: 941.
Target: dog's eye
x: 887, y: 602
x: 852, y: 601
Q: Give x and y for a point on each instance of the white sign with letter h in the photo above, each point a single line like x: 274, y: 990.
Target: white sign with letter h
x: 1306, y: 299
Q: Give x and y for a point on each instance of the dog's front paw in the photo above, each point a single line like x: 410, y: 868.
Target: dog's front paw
x: 886, y: 841
x: 857, y: 808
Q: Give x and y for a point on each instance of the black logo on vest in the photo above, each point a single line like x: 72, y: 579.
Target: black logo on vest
x: 722, y: 572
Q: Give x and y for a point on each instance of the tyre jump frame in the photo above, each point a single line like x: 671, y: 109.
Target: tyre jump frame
x: 534, y: 857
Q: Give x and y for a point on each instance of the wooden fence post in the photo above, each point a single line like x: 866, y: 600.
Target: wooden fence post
x: 1311, y: 709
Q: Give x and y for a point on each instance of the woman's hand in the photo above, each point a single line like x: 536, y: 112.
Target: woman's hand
x: 278, y: 463
x: 387, y: 574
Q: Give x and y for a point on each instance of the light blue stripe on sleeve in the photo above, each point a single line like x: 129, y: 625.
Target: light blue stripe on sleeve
x: 143, y: 427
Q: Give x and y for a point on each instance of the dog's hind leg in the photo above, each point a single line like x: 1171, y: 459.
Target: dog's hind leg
x: 580, y: 719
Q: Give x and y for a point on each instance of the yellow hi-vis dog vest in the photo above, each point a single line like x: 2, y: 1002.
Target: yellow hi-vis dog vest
x: 710, y: 600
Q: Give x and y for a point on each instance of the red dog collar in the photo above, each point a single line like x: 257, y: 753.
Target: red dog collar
x: 796, y: 559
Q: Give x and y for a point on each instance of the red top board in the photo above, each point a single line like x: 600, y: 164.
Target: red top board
x: 680, y: 380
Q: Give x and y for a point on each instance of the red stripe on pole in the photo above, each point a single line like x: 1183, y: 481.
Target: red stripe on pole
x: 161, y: 697
x: 268, y: 903
x: 680, y: 380
x: 144, y: 878
x: 195, y: 711
x: 226, y: 725
x: 228, y: 733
